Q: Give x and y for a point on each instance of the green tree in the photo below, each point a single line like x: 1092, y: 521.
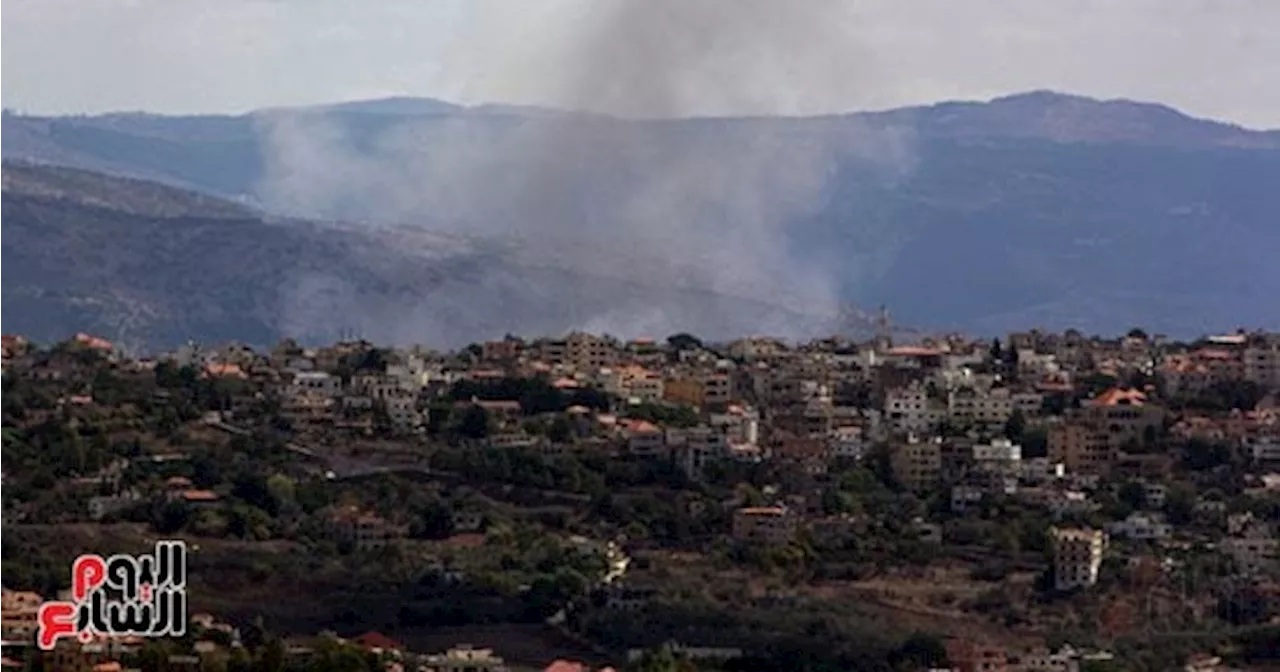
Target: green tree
x: 170, y: 517
x: 281, y: 489
x: 920, y: 651
x: 1133, y: 495
x: 473, y: 423
x: 1015, y: 427
x: 1180, y: 504
x: 684, y: 341
x: 662, y: 660
x: 1035, y: 442
x: 270, y: 657
x: 672, y: 415
x: 560, y: 430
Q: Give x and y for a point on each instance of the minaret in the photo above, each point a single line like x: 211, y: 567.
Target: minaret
x: 884, y: 329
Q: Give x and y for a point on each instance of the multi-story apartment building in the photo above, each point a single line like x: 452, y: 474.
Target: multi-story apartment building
x: 911, y: 409
x: 644, y: 439
x: 1123, y: 414
x: 1077, y: 557
x: 739, y: 422
x: 695, y: 447
x: 1253, y: 549
x: 1261, y: 360
x: 635, y: 384
x: 1264, y: 449
x: 1082, y: 448
x: 685, y: 390
x: 643, y: 386
x: 315, y: 384
x: 1091, y: 440
x: 813, y: 419
x: 917, y: 464
x: 1184, y: 376
x: 750, y: 349
x: 764, y: 525
x: 987, y: 407
x: 1000, y: 456
x: 970, y: 656
x: 552, y: 351
x: 364, y: 531
x: 20, y: 615
x: 717, y: 389
x: 588, y: 352
x: 465, y: 658
x: 506, y: 350
x: 403, y: 413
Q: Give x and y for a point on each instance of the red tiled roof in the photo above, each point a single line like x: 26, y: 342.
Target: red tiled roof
x: 913, y: 351
x: 640, y: 426
x: 565, y: 666
x: 1117, y: 396
x: 93, y: 342
x: 224, y: 371
x: 200, y: 495
x: 762, y: 511
x: 465, y: 540
x: 377, y: 640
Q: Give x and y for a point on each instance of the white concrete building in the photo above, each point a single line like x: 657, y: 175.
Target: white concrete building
x: 965, y: 497
x: 403, y: 412
x: 1262, y: 361
x: 1001, y: 456
x: 848, y: 443
x: 912, y: 410
x: 982, y: 407
x: 1141, y: 527
x: 694, y: 447
x: 1039, y: 470
x: 1264, y: 449
x: 317, y: 384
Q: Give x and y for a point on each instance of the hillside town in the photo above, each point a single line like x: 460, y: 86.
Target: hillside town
x: 1040, y: 501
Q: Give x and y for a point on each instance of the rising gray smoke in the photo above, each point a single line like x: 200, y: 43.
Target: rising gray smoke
x: 671, y: 217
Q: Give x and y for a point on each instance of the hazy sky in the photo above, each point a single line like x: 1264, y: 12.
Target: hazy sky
x: 1215, y: 58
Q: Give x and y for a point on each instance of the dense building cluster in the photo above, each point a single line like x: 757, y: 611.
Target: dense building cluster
x: 1134, y: 448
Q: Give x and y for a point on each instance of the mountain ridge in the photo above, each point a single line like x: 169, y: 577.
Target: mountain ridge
x: 153, y: 275
x: 1039, y: 208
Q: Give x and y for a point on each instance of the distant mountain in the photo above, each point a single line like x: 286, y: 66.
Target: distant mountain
x: 397, y: 106
x: 1046, y: 115
x: 1038, y: 208
x: 157, y: 266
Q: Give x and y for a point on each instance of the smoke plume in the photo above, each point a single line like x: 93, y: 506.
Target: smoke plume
x: 672, y: 224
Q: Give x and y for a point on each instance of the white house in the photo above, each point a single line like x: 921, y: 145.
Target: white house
x: 1264, y: 449
x: 1064, y: 503
x: 1141, y: 527
x: 912, y: 410
x: 1000, y: 456
x: 847, y: 442
x: 964, y: 497
x: 316, y: 384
